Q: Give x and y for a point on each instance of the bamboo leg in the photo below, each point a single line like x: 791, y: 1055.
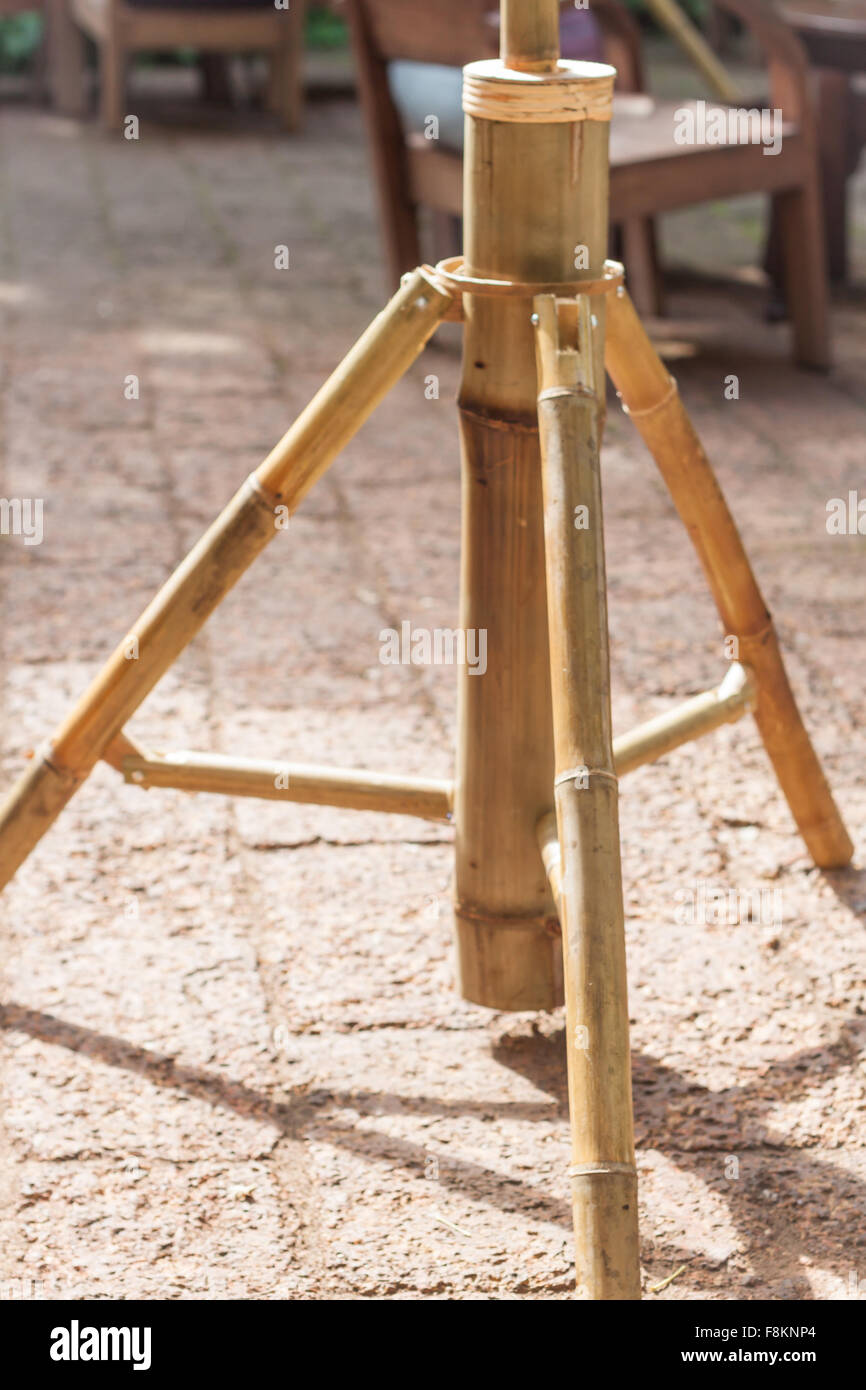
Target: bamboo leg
x: 226, y: 550
x: 529, y: 34
x: 589, y: 879
x: 650, y: 396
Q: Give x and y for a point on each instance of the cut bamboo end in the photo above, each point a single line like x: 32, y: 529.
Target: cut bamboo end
x: 529, y: 36
x: 576, y: 91
x: 509, y: 963
x: 353, y: 790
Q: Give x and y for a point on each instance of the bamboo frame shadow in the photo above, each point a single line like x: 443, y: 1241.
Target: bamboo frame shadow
x: 657, y: 1088
x: 541, y: 1059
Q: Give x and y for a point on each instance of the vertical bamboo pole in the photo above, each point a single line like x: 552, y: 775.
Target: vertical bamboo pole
x: 536, y: 190
x: 589, y: 881
x: 529, y: 34
x: 222, y: 555
x: 649, y: 394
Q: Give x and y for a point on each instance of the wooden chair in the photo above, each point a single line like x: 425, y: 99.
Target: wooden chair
x: 123, y: 27
x: 57, y: 64
x: 650, y: 172
x: 8, y: 8
x: 412, y: 173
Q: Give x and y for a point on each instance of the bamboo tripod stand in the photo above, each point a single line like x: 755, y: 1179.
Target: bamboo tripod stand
x: 538, y: 899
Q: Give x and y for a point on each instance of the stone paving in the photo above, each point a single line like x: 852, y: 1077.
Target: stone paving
x: 234, y: 1063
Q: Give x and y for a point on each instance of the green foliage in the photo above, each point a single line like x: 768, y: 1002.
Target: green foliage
x: 324, y: 29
x: 20, y: 36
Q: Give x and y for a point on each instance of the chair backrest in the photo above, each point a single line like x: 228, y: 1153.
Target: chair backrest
x: 785, y: 55
x: 451, y: 32
x: 456, y: 32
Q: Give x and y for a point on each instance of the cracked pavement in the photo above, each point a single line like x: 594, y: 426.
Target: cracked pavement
x: 234, y: 1063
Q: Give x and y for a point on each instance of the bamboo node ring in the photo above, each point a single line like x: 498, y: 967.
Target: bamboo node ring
x: 44, y: 755
x: 660, y: 404
x: 578, y: 773
x: 261, y: 492
x: 555, y: 393
x: 583, y: 1170
x: 452, y: 274
x: 574, y: 91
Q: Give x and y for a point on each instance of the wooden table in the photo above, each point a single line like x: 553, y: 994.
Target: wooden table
x: 834, y: 35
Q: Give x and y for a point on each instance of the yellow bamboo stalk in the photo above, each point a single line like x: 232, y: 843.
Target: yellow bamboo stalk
x: 239, y: 534
x: 694, y: 45
x: 652, y: 400
x: 535, y: 193
x: 269, y: 780
x: 529, y: 34
x: 427, y: 797
x: 588, y: 880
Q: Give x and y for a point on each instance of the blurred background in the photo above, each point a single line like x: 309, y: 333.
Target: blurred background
x: 233, y: 1061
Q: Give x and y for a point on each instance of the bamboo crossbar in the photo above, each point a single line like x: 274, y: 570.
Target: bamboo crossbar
x: 548, y: 843
x: 651, y: 740
x: 349, y: 789
x: 427, y: 798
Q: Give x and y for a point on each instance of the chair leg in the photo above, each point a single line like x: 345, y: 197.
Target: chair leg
x: 285, y: 83
x: 640, y: 256
x: 834, y: 134
x: 800, y: 224
x: 65, y: 59
x: 112, y: 76
x: 216, y: 78
x: 447, y: 234
x: 777, y: 307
